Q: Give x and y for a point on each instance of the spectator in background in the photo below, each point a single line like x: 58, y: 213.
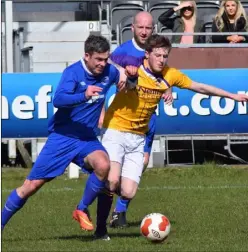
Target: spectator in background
x: 231, y: 17
x: 186, y: 21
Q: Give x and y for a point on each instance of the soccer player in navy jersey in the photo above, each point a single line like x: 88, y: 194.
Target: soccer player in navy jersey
x: 132, y: 53
x: 79, y: 98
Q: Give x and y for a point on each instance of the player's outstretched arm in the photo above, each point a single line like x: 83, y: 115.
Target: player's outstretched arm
x: 211, y: 90
x: 168, y: 97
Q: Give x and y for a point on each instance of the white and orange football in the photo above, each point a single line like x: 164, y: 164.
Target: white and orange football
x: 155, y: 227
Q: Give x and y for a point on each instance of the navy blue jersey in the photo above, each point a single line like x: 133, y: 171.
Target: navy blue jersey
x: 76, y: 116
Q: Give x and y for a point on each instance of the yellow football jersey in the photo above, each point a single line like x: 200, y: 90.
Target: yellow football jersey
x: 131, y: 110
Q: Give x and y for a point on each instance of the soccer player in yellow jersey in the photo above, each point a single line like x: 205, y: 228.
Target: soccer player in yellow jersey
x: 126, y: 120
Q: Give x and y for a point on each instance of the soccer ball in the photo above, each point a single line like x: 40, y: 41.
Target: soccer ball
x: 155, y: 227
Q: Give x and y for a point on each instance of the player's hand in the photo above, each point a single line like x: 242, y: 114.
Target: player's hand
x: 168, y: 97
x: 131, y: 71
x: 240, y: 97
x: 92, y: 91
x: 123, y: 79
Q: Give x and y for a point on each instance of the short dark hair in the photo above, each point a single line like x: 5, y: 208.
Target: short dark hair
x: 157, y: 41
x: 96, y: 43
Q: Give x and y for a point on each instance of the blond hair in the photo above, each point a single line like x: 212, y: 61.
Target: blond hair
x: 240, y: 12
x: 194, y: 16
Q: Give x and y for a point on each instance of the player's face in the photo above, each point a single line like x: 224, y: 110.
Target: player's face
x: 142, y: 30
x: 157, y: 59
x: 96, y: 62
x: 231, y: 8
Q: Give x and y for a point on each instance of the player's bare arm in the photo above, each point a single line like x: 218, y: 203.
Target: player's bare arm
x: 168, y: 97
x: 101, y: 118
x: 211, y: 90
x: 123, y: 78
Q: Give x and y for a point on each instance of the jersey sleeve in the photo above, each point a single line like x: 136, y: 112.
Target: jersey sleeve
x: 180, y: 79
x: 115, y: 74
x: 117, y: 55
x: 121, y: 57
x: 65, y: 94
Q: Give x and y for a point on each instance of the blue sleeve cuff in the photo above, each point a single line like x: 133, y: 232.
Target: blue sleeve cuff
x: 83, y: 97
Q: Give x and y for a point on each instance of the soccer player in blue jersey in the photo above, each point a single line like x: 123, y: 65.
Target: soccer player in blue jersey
x: 79, y: 98
x: 132, y: 53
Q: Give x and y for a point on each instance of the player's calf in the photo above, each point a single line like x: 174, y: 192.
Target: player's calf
x: 18, y: 198
x: 99, y: 161
x: 30, y: 187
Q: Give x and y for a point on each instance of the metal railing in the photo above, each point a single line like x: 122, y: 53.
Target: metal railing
x: 231, y: 140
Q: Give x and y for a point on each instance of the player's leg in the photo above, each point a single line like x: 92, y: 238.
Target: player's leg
x: 94, y: 156
x: 98, y: 160
x: 18, y: 197
x: 51, y: 163
x: 149, y: 140
x: 112, y: 141
x: 130, y: 177
x: 122, y: 204
x: 105, y: 200
x: 119, y: 220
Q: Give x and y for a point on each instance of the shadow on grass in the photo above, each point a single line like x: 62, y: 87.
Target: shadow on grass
x: 83, y: 237
x: 90, y: 238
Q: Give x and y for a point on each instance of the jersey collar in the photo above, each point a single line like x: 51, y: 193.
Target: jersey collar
x: 85, y: 67
x: 136, y: 45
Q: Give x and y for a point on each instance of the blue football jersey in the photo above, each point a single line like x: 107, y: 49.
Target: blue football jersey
x: 76, y: 116
x: 128, y: 53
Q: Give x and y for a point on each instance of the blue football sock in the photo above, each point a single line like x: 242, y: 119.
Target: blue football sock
x: 92, y: 189
x: 12, y: 205
x: 104, y: 203
x: 121, y: 205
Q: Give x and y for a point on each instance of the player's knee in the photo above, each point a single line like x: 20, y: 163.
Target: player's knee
x: 113, y: 184
x: 102, y: 168
x: 35, y: 185
x: 128, y: 193
x: 30, y: 187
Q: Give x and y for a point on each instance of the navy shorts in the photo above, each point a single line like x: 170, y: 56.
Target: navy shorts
x: 150, y: 134
x: 58, y: 152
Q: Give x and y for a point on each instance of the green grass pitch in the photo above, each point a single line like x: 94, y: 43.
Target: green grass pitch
x: 207, y: 206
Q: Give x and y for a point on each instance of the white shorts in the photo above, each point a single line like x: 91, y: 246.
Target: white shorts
x: 127, y: 149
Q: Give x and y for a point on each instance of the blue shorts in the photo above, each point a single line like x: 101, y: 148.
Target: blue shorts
x: 58, y: 152
x: 150, y: 134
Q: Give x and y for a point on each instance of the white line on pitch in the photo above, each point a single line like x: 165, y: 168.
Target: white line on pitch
x: 150, y: 188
